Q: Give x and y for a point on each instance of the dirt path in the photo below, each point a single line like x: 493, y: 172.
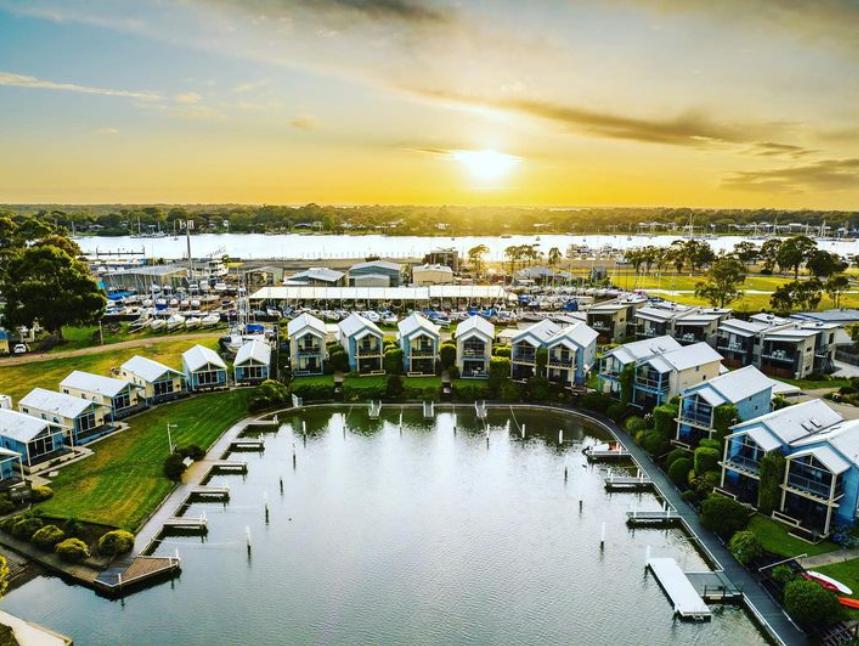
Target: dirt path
x: 96, y: 349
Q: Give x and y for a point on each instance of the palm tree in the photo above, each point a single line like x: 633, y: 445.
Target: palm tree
x: 475, y: 255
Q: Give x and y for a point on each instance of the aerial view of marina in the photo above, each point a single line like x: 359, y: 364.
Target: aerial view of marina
x: 426, y: 322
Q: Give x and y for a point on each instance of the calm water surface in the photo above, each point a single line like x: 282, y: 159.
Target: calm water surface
x: 424, y: 537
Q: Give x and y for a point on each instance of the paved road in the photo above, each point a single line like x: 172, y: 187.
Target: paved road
x: 18, y: 360
x: 779, y: 623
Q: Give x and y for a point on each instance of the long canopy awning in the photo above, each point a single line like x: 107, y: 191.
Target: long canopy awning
x: 426, y: 294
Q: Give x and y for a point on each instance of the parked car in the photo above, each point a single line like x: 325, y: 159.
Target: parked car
x: 20, y: 348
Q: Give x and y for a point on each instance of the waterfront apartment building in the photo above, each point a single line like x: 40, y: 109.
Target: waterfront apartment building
x: 307, y: 348
x: 748, y: 390
x: 662, y: 376
x: 157, y: 383
x: 253, y: 363
x: 31, y: 439
x: 204, y: 369
x: 474, y: 337
x: 419, y: 340
x: 686, y: 324
x: 614, y: 320
x: 363, y: 341
x: 571, y: 352
x: 617, y: 359
x: 121, y: 397
x: 81, y: 420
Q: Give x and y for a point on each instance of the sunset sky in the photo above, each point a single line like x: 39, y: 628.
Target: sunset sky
x: 609, y: 102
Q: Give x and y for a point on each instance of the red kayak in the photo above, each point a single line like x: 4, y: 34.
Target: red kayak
x: 847, y: 601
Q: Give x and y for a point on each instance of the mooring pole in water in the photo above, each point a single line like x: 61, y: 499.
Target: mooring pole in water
x: 602, y: 537
x: 580, y: 505
x: 487, y: 438
x: 561, y: 436
x: 304, y: 427
x: 294, y: 459
x: 566, y: 474
x: 265, y: 504
x: 522, y: 428
x: 248, y: 538
x: 281, y: 485
x: 646, y: 557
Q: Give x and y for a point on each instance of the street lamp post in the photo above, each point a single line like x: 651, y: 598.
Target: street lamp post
x: 169, y: 436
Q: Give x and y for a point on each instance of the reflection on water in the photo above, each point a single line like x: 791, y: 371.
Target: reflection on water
x: 422, y: 537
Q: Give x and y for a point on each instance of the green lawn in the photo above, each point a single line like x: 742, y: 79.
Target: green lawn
x: 123, y: 482
x: 809, y: 384
x: 17, y: 381
x: 358, y: 383
x: 314, y: 380
x: 775, y: 539
x: 847, y: 572
x: 422, y: 382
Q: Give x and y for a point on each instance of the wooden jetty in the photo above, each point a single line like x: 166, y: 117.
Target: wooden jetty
x: 715, y: 587
x: 375, y: 409
x: 263, y: 426
x: 205, y: 493
x: 247, y: 444
x: 228, y: 466
x: 187, y: 525
x: 604, y: 455
x: 429, y: 409
x: 141, y: 571
x: 616, y: 482
x: 687, y: 603
x: 656, y: 518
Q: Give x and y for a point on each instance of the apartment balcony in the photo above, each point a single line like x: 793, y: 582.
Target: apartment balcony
x: 779, y: 356
x: 689, y: 338
x: 697, y: 417
x: 561, y: 362
x: 729, y: 346
x: 744, y: 465
x: 649, y: 333
x: 524, y: 357
x: 368, y: 350
x: 601, y: 325
x: 422, y: 353
x: 654, y: 385
x: 308, y: 350
x: 473, y: 353
x: 818, y: 489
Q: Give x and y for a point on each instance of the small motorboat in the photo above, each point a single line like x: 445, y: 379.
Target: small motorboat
x: 157, y: 324
x: 372, y: 316
x: 191, y: 323
x: 210, y: 320
x: 175, y: 322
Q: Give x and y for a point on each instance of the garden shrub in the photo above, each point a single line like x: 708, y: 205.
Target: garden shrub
x: 510, y: 392
x: 706, y: 482
x: 724, y: 416
x: 337, y: 358
x: 616, y: 411
x: 706, y: 459
x: 710, y: 443
x: 596, y: 402
x: 40, y: 493
x: 679, y: 471
x: 689, y: 496
x: 499, y: 374
x: 771, y: 476
x: 663, y: 419
x: 313, y: 391
x: 723, y: 516
x: 72, y: 550
x: 675, y: 454
x: 746, y: 547
x: 783, y: 574
x: 447, y: 354
x: 46, y: 537
x: 501, y: 351
x: 392, y: 361
x: 269, y: 394
x: 117, y: 541
x: 174, y: 467
x: 538, y: 389
x: 626, y: 378
x: 634, y: 424
x: 811, y: 606
x: 654, y: 442
x: 469, y: 390
x: 411, y: 391
x: 26, y: 527
x: 393, y: 386
x: 6, y: 505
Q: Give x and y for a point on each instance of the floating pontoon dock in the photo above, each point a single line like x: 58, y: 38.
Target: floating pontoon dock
x: 615, y: 482
x: 603, y: 455
x: 247, y: 444
x: 683, y: 595
x: 228, y: 466
x: 659, y: 517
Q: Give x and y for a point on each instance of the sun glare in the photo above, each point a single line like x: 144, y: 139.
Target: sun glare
x: 486, y: 164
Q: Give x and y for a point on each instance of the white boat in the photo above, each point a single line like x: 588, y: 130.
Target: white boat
x: 210, y: 320
x: 220, y: 287
x: 372, y: 316
x: 389, y: 319
x: 174, y: 302
x: 157, y: 324
x: 191, y: 323
x: 271, y: 311
x: 843, y: 589
x: 175, y: 322
x: 185, y: 304
x: 195, y: 303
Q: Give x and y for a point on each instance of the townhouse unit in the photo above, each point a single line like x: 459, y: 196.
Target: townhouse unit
x: 204, y: 369
x: 572, y: 353
x: 419, y: 340
x: 524, y: 345
x: 686, y: 324
x: 81, y: 420
x: 363, y: 341
x: 780, y: 347
x: 617, y: 359
x: 659, y: 378
x: 156, y: 382
x: 821, y: 478
x: 121, y: 397
x: 253, y: 362
x: 615, y: 320
x: 375, y: 273
x: 474, y: 337
x: 307, y: 348
x: 11, y: 468
x: 748, y: 390
x: 31, y: 439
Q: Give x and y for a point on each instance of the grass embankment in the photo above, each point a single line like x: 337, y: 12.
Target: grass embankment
x: 123, y: 482
x: 18, y: 380
x: 847, y: 572
x: 775, y: 538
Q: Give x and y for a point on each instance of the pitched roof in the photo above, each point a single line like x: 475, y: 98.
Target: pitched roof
x: 475, y: 324
x: 88, y: 382
x: 198, y: 356
x: 146, y: 368
x: 354, y: 323
x: 644, y: 349
x: 540, y: 332
x: 733, y: 386
x: 578, y: 334
x: 792, y: 423
x: 318, y: 273
x: 256, y: 350
x: 430, y: 267
x: 415, y: 322
x: 20, y: 426
x: 303, y: 321
x: 685, y: 357
x: 826, y: 456
x: 50, y: 401
x: 383, y: 264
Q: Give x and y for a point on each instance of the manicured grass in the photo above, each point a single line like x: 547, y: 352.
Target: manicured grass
x: 775, y: 539
x: 422, y: 382
x: 314, y: 380
x: 847, y: 572
x: 17, y: 381
x: 810, y: 384
x: 123, y: 482
x: 358, y: 383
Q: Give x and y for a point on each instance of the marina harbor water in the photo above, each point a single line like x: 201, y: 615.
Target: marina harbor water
x: 454, y: 529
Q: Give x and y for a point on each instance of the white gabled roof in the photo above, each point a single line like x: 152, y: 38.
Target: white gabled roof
x: 199, y: 356
x: 792, y: 423
x: 20, y: 426
x: 255, y: 350
x: 826, y: 456
x: 146, y: 368
x: 303, y: 321
x: 475, y: 324
x: 88, y: 382
x: 355, y: 323
x: 417, y: 323
x: 540, y: 332
x: 687, y: 356
x: 733, y: 386
x: 317, y: 273
x: 578, y: 334
x: 56, y: 403
x: 644, y: 349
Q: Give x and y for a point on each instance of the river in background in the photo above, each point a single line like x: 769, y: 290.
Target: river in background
x: 425, y: 536
x: 320, y: 247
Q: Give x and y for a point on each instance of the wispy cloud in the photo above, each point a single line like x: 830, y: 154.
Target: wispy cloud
x: 405, y: 11
x: 106, y: 131
x: 827, y: 174
x: 188, y: 98
x: 775, y: 149
x: 22, y: 80
x: 305, y: 122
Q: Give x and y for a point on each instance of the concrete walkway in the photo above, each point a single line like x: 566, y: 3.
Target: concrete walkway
x: 30, y: 634
x: 830, y: 558
x: 769, y: 613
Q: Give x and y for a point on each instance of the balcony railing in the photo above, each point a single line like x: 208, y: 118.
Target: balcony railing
x: 779, y: 356
x: 728, y: 345
x: 649, y: 332
x: 652, y: 384
x: 743, y: 464
x: 473, y: 352
x: 697, y: 417
x: 304, y: 350
x: 369, y: 349
x: 601, y: 326
x: 524, y: 356
x: 816, y: 488
x: 563, y: 362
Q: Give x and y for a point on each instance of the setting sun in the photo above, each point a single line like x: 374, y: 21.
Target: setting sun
x: 486, y: 164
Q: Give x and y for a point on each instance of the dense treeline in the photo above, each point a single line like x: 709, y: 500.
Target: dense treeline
x: 436, y: 220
